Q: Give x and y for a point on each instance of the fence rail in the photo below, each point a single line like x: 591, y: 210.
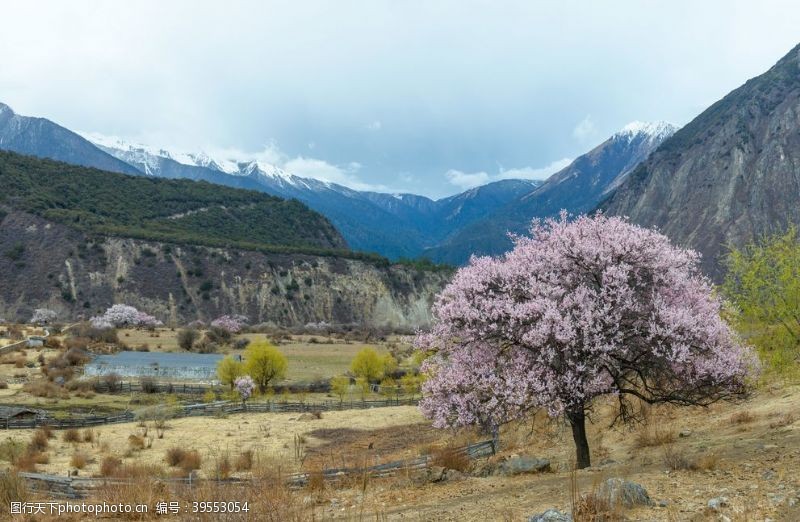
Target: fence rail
x: 203, y: 409
x: 80, y: 487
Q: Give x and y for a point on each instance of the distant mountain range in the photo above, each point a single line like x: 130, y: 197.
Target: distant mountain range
x: 394, y: 225
x: 729, y: 176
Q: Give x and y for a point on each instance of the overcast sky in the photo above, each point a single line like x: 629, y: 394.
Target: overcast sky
x: 424, y: 96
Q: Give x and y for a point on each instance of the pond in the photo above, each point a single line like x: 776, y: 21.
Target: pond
x: 183, y: 366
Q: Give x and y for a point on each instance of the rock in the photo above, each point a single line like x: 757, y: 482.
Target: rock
x: 484, y: 468
x: 768, y: 475
x: 684, y: 433
x: 717, y: 502
x: 307, y: 417
x: 518, y: 465
x: 663, y: 503
x: 617, y: 491
x: 453, y: 475
x: 551, y: 515
x: 436, y: 474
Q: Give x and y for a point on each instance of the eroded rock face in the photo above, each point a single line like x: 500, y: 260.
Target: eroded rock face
x: 730, y: 175
x: 77, y: 275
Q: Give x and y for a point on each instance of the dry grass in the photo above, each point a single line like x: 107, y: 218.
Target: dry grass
x: 190, y: 461
x: 12, y: 489
x: 110, y: 466
x: 449, y: 458
x: 677, y: 460
x: 742, y: 417
x: 648, y: 437
x: 244, y: 462
x: 136, y: 442
x: 79, y: 460
x: 88, y: 435
x: 39, y: 440
x: 782, y: 421
x: 72, y: 436
x: 174, y: 456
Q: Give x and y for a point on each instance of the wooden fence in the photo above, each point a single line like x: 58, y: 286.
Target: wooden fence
x: 80, y: 487
x: 202, y: 409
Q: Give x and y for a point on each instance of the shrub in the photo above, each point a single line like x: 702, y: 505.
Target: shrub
x: 136, y: 442
x: 148, y: 385
x: 110, y: 466
x: 46, y: 389
x: 264, y: 363
x: 677, y: 460
x: 449, y: 458
x: 244, y: 462
x: 12, y: 489
x: 39, y: 441
x: 223, y: 466
x: 368, y: 364
x: 76, y: 357
x: 11, y: 450
x: 79, y: 460
x: 112, y: 380
x: 174, y: 456
x: 72, y: 435
x: 88, y: 435
x: 190, y: 461
x: 228, y: 370
x: 187, y: 338
x: 742, y: 417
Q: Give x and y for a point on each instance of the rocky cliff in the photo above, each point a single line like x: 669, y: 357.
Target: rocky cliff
x: 46, y: 264
x: 730, y: 175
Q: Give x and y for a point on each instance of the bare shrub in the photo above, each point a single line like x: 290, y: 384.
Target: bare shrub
x: 136, y: 442
x: 72, y: 435
x: 88, y: 435
x: 450, y: 458
x: 45, y: 389
x: 223, y: 466
x: 12, y: 489
x: 109, y: 466
x: 112, y: 380
x: 677, y: 460
x: 174, y: 456
x: 148, y: 385
x: 784, y: 420
x: 187, y: 338
x: 79, y: 460
x: 244, y: 462
x: 191, y: 461
x: 742, y: 417
x: 39, y: 440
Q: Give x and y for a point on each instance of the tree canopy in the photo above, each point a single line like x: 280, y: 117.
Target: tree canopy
x: 583, y: 308
x: 264, y: 363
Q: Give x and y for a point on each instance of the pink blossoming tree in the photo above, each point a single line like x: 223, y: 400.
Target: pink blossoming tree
x: 581, y: 309
x: 230, y: 323
x: 120, y: 315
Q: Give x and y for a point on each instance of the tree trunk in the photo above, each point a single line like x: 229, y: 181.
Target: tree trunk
x: 577, y: 420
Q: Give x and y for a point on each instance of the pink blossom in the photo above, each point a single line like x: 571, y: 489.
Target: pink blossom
x: 230, y: 323
x: 582, y: 308
x: 120, y: 315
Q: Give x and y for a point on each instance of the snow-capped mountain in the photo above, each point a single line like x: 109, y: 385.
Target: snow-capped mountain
x: 578, y: 188
x: 395, y: 225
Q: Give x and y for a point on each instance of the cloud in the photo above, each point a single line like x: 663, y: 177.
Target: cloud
x: 585, y: 129
x: 468, y: 180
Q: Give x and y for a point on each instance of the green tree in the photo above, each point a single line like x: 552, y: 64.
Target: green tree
x: 340, y: 385
x: 264, y: 363
x: 410, y: 384
x: 763, y: 283
x: 368, y: 364
x: 389, y: 388
x: 228, y: 369
x: 362, y: 384
x: 389, y: 364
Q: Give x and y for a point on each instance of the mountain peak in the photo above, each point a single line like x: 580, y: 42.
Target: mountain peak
x: 656, y: 130
x: 5, y: 108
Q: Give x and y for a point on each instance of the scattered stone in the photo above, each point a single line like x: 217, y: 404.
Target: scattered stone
x: 717, y: 502
x: 453, y: 475
x: 663, y: 503
x: 484, y: 468
x: 551, y: 515
x: 684, y: 433
x: 617, y: 491
x: 436, y: 474
x: 518, y: 465
x: 768, y: 475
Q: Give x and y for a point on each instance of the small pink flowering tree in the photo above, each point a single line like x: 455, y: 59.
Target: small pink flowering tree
x: 592, y: 307
x: 121, y: 315
x: 232, y: 324
x: 245, y: 386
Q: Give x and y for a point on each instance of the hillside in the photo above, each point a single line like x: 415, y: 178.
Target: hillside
x: 578, y: 188
x: 730, y: 175
x: 160, y: 209
x: 43, y: 138
x: 49, y: 264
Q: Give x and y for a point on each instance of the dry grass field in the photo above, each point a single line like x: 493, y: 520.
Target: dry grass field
x: 748, y: 453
